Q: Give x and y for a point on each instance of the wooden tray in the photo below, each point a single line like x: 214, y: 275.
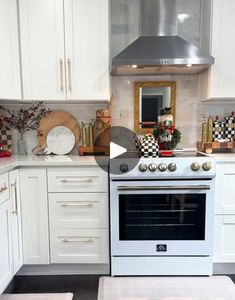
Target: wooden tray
x: 90, y: 150
x: 208, y: 147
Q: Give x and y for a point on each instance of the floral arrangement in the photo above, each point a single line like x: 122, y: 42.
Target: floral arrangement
x: 24, y: 120
x: 167, y: 136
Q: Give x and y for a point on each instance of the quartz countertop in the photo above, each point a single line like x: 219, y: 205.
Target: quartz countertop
x: 7, y: 164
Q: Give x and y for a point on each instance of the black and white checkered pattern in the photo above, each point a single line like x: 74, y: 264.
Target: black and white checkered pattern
x: 5, y: 138
x: 229, y: 127
x: 149, y: 147
x: 218, y: 130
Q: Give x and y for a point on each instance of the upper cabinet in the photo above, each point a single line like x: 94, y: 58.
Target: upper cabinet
x: 65, y: 49
x: 218, y: 82
x: 10, y: 84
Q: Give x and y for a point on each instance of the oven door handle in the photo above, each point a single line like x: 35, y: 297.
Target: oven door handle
x: 163, y: 188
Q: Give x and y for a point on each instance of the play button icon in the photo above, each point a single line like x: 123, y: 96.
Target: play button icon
x: 122, y: 149
x: 116, y: 150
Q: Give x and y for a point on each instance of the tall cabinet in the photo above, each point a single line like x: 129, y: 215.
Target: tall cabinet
x: 10, y: 84
x: 65, y: 49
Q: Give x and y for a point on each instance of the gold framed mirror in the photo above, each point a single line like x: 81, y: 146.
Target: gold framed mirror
x: 149, y: 98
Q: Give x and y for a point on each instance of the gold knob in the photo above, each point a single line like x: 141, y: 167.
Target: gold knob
x: 195, y: 166
x: 206, y: 166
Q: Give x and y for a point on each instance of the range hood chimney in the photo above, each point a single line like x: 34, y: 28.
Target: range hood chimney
x: 159, y: 50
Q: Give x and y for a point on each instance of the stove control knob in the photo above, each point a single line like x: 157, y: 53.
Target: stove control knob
x: 206, y: 166
x: 152, y: 167
x: 143, y: 167
x: 172, y: 167
x: 162, y: 167
x: 124, y: 168
x: 195, y: 166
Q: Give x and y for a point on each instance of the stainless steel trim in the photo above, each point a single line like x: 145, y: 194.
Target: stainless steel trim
x: 163, y: 188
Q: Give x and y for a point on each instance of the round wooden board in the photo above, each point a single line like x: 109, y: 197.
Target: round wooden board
x: 57, y: 118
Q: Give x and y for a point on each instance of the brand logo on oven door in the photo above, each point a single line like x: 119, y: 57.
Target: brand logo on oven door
x: 161, y: 248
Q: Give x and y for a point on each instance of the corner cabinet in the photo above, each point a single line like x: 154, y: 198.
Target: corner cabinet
x: 65, y: 49
x: 10, y: 84
x: 34, y: 208
x: 218, y: 81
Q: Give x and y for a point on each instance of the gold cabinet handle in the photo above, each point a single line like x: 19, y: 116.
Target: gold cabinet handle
x: 69, y: 75
x: 66, y: 240
x: 61, y: 76
x: 3, y: 188
x: 14, y: 187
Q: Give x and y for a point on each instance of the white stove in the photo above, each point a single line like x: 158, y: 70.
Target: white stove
x: 162, y: 215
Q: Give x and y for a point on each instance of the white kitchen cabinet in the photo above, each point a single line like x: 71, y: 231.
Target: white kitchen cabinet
x: 82, y: 246
x: 10, y: 84
x: 14, y: 182
x: 224, y: 188
x: 65, y: 50
x: 87, y: 49
x: 6, y: 262
x: 224, y: 249
x: 34, y: 208
x: 218, y: 81
x: 42, y: 49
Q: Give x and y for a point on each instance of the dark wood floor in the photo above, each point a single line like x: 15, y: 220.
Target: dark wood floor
x: 84, y: 287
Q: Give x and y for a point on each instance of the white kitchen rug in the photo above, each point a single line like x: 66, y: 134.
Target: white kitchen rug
x: 166, y: 288
x: 61, y: 296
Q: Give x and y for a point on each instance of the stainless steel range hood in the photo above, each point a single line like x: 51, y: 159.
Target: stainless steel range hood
x: 159, y: 50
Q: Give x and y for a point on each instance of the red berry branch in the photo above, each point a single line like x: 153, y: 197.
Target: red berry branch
x: 24, y: 120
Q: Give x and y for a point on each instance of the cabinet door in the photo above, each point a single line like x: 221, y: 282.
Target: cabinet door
x: 10, y: 85
x: 34, y: 208
x: 87, y: 49
x: 224, y: 189
x: 42, y: 47
x: 224, y: 250
x: 14, y: 180
x: 6, y: 268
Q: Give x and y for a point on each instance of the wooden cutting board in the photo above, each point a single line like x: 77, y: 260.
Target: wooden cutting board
x: 57, y: 118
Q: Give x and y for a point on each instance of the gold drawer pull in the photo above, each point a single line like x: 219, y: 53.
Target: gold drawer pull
x: 66, y: 240
x: 14, y: 187
x: 3, y: 188
x: 76, y: 180
x: 78, y: 205
x: 61, y: 76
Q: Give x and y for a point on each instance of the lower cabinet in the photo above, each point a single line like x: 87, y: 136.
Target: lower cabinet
x: 34, y: 207
x: 224, y: 247
x: 6, y: 261
x: 81, y: 246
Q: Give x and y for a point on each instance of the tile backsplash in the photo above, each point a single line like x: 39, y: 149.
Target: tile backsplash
x: 189, y: 112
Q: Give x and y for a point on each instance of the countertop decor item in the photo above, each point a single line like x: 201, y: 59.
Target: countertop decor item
x: 24, y: 120
x: 148, y: 146
x: 5, y: 138
x: 166, y: 134
x: 60, y: 140
x: 55, y: 118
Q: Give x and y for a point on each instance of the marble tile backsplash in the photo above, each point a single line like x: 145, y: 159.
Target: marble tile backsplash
x: 189, y: 112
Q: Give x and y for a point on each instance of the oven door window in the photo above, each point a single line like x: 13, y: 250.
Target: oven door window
x: 162, y: 217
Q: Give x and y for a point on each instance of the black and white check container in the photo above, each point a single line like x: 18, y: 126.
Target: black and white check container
x: 229, y: 127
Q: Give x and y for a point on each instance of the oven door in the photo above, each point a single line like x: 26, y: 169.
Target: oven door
x: 161, y: 218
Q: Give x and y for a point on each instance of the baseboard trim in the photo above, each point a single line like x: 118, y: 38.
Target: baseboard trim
x: 65, y: 269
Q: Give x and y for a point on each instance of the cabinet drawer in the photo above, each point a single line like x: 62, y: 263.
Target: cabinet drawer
x: 78, y: 210
x: 79, y: 246
x: 4, y: 188
x: 82, y: 179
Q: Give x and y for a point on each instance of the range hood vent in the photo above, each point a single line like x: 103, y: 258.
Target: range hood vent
x: 159, y: 50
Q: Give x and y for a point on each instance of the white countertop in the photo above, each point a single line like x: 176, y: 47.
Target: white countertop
x: 7, y: 164
x: 223, y: 157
